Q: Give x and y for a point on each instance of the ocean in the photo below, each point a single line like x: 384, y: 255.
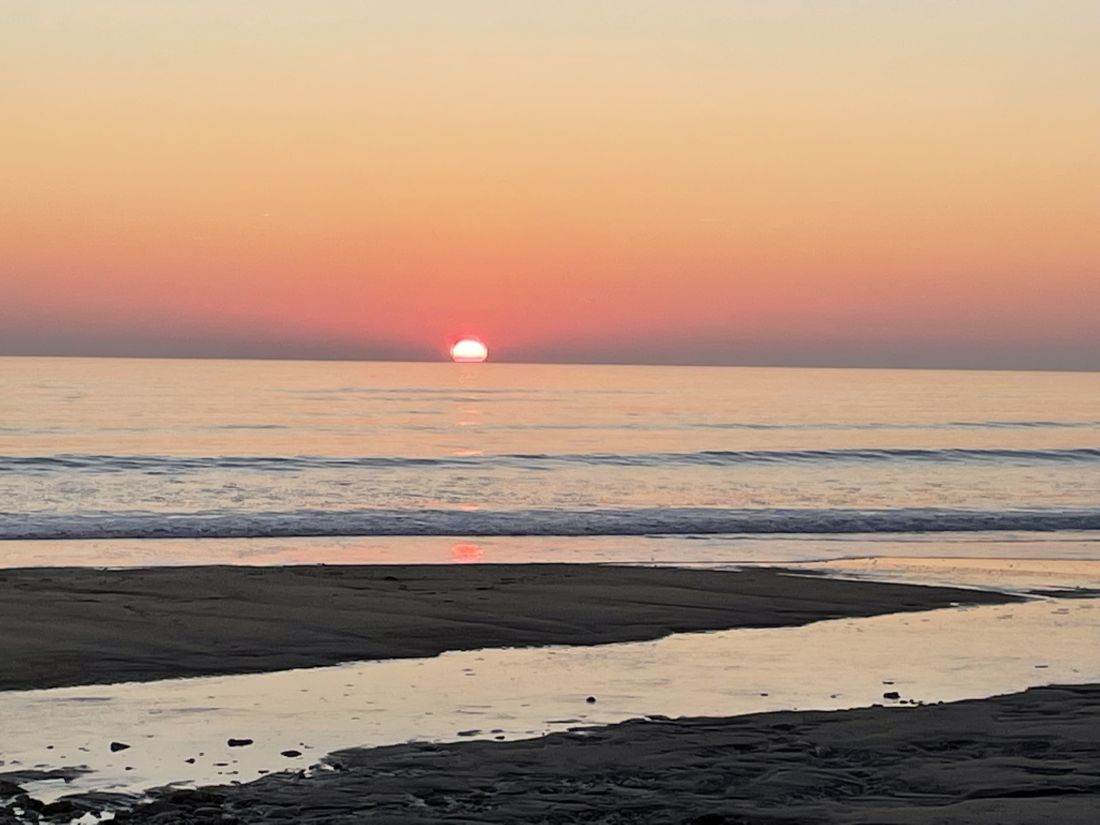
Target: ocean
x: 130, y: 461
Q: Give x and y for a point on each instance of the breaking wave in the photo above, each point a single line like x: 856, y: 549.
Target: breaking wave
x: 185, y: 464
x: 537, y: 522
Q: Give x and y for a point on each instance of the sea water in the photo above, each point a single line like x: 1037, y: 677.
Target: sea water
x: 276, y: 462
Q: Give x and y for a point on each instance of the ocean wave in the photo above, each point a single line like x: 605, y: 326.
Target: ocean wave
x: 994, y: 424
x: 184, y: 464
x: 678, y: 521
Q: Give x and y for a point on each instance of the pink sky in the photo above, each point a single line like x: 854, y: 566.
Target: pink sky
x: 910, y: 184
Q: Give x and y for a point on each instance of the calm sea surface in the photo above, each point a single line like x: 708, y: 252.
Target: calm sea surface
x: 117, y: 451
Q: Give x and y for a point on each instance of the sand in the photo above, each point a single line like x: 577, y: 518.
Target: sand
x: 1031, y: 757
x: 75, y: 626
x: 1066, y: 577
x: 1025, y: 758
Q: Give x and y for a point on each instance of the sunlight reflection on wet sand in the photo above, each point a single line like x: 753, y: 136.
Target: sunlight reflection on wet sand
x: 1003, y: 574
x: 679, y: 550
x: 940, y: 655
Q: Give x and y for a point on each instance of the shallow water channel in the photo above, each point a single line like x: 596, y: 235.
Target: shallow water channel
x: 178, y: 731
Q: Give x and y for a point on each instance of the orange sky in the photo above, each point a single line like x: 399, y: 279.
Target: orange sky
x: 694, y: 181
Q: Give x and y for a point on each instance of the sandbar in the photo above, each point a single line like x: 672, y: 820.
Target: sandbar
x: 78, y: 626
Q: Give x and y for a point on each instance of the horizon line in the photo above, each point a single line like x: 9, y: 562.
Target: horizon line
x: 594, y: 363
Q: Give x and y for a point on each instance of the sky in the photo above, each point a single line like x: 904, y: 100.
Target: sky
x: 759, y: 182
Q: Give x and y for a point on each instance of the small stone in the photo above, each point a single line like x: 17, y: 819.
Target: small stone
x: 891, y: 694
x: 190, y: 760
x: 291, y: 754
x: 591, y: 700
x: 238, y: 743
x: 118, y: 746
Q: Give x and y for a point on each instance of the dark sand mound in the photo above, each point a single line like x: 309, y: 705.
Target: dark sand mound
x: 72, y: 626
x: 1031, y: 757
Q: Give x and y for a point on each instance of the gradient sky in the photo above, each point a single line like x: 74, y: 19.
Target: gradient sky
x: 686, y: 181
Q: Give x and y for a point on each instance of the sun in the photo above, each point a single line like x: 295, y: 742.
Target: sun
x: 469, y: 351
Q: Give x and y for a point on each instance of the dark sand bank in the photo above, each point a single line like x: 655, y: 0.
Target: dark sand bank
x: 1031, y: 757
x: 71, y: 626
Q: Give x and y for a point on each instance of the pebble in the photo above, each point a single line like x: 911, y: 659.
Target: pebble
x: 591, y: 700
x: 118, y: 746
x: 891, y: 694
x: 291, y: 754
x: 238, y: 743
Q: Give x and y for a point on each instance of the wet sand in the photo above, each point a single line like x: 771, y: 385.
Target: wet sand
x: 77, y: 626
x: 1066, y: 577
x: 179, y: 730
x: 1025, y: 758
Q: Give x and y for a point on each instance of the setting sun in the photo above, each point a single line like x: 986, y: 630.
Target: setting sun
x: 469, y: 350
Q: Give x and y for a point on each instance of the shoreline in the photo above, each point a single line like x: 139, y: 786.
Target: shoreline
x: 1003, y: 759
x: 1011, y: 760
x: 80, y: 626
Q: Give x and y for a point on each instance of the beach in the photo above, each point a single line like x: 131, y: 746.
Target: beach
x: 329, y: 592
x: 72, y: 626
x: 1011, y: 759
x: 557, y: 413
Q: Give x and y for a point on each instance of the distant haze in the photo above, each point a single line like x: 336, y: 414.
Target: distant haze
x: 675, y: 181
